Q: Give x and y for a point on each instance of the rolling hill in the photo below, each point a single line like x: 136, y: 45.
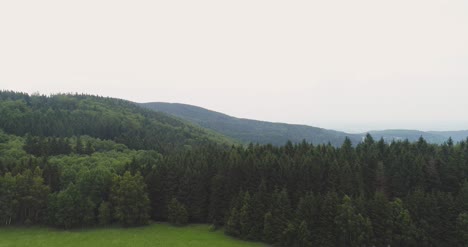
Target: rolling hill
x: 247, y: 130
x: 410, y: 135
x: 66, y: 115
x: 455, y: 135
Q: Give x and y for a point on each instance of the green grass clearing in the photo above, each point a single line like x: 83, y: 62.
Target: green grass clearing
x: 153, y: 235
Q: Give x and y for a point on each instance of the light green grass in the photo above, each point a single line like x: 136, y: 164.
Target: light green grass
x: 153, y: 235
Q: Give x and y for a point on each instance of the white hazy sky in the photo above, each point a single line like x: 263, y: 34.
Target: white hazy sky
x: 348, y: 65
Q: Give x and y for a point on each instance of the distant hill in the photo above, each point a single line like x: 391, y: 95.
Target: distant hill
x: 455, y: 135
x: 247, y: 130
x: 410, y: 135
x: 437, y: 137
x: 66, y: 115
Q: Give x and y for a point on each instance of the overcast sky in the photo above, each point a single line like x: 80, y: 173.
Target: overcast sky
x: 347, y: 65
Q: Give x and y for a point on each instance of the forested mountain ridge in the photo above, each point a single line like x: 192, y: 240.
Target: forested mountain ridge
x: 66, y: 115
x: 457, y: 135
x: 247, y: 130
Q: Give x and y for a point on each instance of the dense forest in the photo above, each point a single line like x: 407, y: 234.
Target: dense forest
x: 61, y: 166
x: 122, y: 121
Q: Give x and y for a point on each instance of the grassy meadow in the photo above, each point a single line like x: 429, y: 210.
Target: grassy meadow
x: 153, y: 235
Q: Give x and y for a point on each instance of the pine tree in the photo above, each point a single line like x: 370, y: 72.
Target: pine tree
x: 380, y: 216
x: 281, y: 214
x: 289, y: 235
x: 217, y: 201
x: 326, y: 232
x: 268, y: 231
x: 233, y: 227
x: 260, y: 202
x: 355, y: 230
x: 246, y: 217
x: 403, y: 230
x: 304, y: 236
x: 462, y: 229
x: 308, y: 210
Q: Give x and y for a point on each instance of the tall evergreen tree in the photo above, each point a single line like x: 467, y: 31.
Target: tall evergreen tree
x: 380, y: 214
x: 233, y: 226
x: 327, y: 229
x: 462, y: 229
x: 403, y: 230
x: 246, y: 217
x: 260, y: 205
x: 355, y: 229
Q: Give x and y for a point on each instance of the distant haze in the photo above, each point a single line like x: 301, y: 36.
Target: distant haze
x: 346, y: 65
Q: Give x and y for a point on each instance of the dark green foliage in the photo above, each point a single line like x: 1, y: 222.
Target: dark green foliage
x: 31, y: 196
x: 404, y: 232
x: 308, y: 210
x: 268, y: 231
x: 66, y: 115
x: 217, y: 201
x: 177, y: 214
x: 289, y: 235
x: 278, y: 219
x: 40, y: 146
x: 130, y: 200
x: 462, y: 229
x: 69, y: 208
x: 104, y: 214
x: 233, y: 226
x: 354, y: 229
x: 380, y: 214
x: 246, y: 217
x: 8, y: 201
x: 79, y: 146
x: 303, y: 236
x: 326, y: 228
x: 260, y: 205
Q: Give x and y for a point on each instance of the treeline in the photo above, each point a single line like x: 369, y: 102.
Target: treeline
x: 67, y: 115
x: 51, y: 146
x: 371, y: 194
x: 26, y: 199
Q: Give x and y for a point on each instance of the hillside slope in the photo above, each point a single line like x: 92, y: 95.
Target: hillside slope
x: 246, y: 130
x: 122, y: 121
x: 457, y: 136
